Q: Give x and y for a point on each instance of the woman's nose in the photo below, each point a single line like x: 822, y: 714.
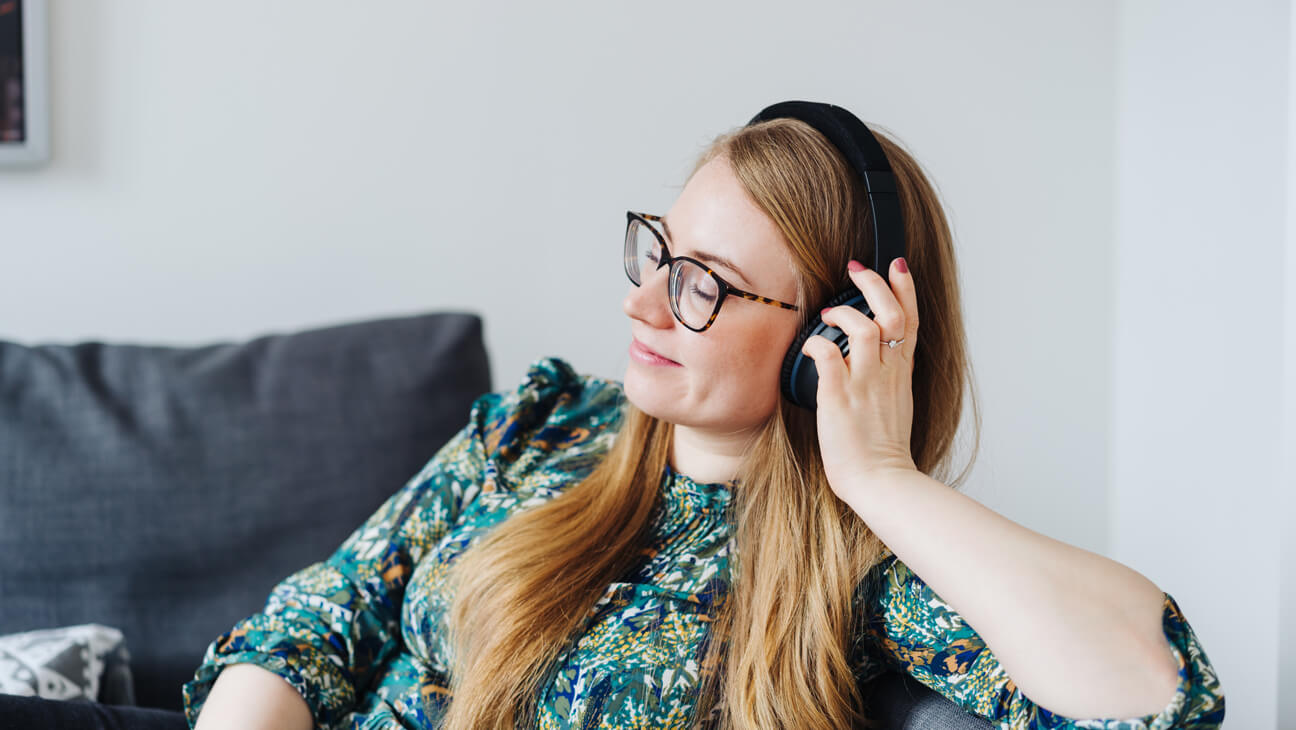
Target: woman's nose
x: 648, y: 302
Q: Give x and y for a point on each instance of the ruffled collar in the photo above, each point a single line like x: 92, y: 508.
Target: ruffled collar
x: 683, y: 487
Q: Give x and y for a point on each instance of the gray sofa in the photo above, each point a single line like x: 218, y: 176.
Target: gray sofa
x: 165, y: 490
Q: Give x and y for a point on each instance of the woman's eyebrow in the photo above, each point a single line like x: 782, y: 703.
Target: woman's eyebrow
x: 710, y: 257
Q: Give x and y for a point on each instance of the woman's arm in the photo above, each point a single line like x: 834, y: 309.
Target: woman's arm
x: 1032, y: 599
x: 248, y: 697
x: 1079, y: 634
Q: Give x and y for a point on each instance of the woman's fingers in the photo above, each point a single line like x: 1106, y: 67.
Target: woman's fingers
x: 862, y: 331
x: 887, y: 310
x: 828, y: 362
x: 902, y: 282
x: 894, y: 303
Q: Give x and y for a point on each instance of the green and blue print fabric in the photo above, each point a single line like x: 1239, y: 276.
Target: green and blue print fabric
x: 361, y: 635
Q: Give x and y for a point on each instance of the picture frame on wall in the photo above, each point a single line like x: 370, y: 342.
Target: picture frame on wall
x: 24, y: 82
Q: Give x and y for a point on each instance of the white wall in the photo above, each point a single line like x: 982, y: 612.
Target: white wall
x: 222, y: 171
x: 226, y: 170
x: 1287, y: 485
x: 1198, y: 325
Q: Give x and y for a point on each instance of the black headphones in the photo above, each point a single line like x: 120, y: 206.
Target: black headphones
x: 799, y: 380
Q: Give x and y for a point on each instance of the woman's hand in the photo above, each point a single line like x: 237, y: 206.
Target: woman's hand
x: 865, y: 401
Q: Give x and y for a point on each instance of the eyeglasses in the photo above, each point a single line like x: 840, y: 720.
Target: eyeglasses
x: 694, y: 290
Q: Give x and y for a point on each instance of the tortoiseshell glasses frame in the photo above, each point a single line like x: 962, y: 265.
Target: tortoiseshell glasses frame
x: 676, y: 263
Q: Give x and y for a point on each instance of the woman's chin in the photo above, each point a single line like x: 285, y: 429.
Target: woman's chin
x: 650, y: 397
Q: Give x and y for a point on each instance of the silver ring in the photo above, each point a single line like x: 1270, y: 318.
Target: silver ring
x: 891, y: 343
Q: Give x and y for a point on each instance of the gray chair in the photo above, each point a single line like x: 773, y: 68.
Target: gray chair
x: 165, y: 490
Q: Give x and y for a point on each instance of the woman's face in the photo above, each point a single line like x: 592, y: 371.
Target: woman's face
x: 726, y: 377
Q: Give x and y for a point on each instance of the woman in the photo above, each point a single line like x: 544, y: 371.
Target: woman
x: 690, y: 549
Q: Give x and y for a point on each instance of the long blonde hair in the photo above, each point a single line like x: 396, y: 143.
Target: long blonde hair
x: 523, y: 592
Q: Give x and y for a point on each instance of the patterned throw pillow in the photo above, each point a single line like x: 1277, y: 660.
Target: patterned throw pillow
x: 69, y: 663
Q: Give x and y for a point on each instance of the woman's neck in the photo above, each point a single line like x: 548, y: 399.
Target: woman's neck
x: 708, y: 457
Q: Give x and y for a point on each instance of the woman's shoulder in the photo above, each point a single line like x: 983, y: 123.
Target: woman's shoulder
x: 553, y: 407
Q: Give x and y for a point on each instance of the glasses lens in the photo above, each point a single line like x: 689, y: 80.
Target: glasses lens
x: 642, y: 251
x: 693, y: 293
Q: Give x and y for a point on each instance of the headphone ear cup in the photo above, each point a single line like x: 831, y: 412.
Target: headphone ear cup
x: 794, y: 362
x: 799, y: 379
x: 844, y: 297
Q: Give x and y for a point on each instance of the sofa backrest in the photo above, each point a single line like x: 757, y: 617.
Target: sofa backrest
x: 165, y: 490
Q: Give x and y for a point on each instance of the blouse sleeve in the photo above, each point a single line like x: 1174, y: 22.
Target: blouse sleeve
x: 329, y: 627
x: 909, y: 627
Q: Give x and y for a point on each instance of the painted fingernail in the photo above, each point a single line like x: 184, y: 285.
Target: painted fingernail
x: 824, y: 311
x: 854, y: 265
x: 901, y: 266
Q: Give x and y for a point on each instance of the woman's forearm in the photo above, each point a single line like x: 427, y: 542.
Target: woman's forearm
x: 248, y: 697
x: 1078, y: 633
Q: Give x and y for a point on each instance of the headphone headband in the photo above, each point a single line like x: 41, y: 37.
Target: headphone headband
x: 864, y: 155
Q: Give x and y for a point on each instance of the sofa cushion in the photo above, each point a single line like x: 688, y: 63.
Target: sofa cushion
x: 166, y: 490
x: 69, y: 663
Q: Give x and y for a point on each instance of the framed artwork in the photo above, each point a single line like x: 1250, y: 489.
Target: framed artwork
x: 24, y: 82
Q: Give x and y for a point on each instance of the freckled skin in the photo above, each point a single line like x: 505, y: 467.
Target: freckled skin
x: 728, y: 384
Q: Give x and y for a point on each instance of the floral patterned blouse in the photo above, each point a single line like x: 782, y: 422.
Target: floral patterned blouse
x: 360, y: 635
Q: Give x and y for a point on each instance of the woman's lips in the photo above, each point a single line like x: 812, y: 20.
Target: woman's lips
x: 644, y: 355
